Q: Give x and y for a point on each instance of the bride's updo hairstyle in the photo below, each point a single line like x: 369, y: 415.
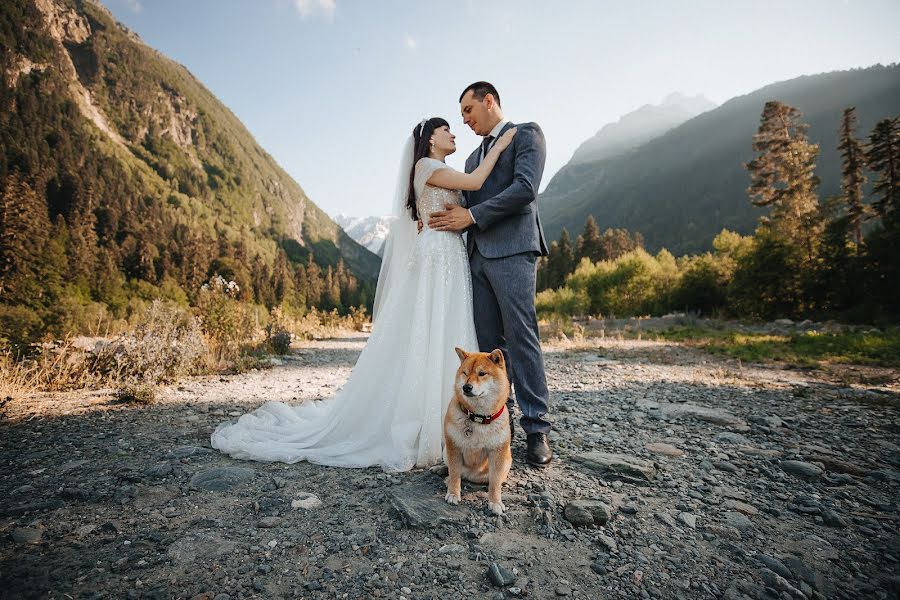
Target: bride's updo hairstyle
x: 421, y: 142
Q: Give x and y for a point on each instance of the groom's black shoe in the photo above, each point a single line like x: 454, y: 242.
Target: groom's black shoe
x: 538, y: 451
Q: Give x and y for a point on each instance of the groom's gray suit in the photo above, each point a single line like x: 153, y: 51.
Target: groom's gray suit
x: 504, y: 245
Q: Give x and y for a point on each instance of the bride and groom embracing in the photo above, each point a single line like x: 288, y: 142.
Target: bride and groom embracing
x: 435, y: 293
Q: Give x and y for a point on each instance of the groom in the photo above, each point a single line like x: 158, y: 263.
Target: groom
x: 504, y: 242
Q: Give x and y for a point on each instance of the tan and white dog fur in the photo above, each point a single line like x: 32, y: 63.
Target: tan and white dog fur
x: 478, y: 452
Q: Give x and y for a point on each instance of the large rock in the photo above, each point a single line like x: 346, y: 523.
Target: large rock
x: 422, y: 506
x: 584, y: 513
x: 801, y: 469
x: 617, y: 466
x: 668, y: 411
x: 221, y: 478
x: 775, y: 581
x: 738, y: 521
x: 840, y: 466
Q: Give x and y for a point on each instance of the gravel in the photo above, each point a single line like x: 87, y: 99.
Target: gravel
x: 677, y: 475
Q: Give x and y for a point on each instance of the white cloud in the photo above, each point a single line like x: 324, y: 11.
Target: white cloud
x: 411, y: 42
x: 134, y: 5
x: 308, y: 8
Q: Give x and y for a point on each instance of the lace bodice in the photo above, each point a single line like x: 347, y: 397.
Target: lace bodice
x: 430, y: 198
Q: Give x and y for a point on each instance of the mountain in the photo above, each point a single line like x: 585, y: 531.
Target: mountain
x: 681, y: 188
x: 121, y: 175
x: 367, y: 231
x: 640, y: 126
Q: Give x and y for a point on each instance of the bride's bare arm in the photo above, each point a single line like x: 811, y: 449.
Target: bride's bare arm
x: 452, y: 179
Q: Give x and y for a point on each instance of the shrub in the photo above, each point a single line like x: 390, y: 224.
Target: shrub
x: 136, y: 393
x: 636, y: 283
x: 229, y: 325
x: 166, y: 344
x: 563, y: 302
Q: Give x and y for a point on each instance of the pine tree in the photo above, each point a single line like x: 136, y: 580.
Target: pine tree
x: 282, y: 282
x: 852, y: 177
x: 82, y: 241
x: 783, y: 175
x: 560, y: 262
x: 262, y: 282
x: 314, y: 283
x: 616, y: 242
x: 541, y: 279
x: 590, y: 245
x: 24, y: 237
x: 884, y: 158
x: 881, y: 245
x: 300, y: 286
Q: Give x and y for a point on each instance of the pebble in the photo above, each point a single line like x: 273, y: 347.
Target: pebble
x: 306, y: 501
x: 774, y: 564
x: 221, y: 478
x: 269, y: 522
x: 500, y: 576
x: 832, y: 519
x: 665, y: 518
x: 724, y: 513
x: 664, y: 449
x: 738, y: 521
x: 801, y: 469
x: 688, y: 519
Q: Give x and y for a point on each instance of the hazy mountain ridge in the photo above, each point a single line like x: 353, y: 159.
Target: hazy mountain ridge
x: 640, y: 126
x: 680, y: 189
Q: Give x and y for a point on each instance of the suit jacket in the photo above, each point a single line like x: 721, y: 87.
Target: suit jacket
x: 505, y: 208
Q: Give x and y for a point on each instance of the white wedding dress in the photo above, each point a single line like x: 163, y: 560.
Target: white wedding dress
x: 390, y: 412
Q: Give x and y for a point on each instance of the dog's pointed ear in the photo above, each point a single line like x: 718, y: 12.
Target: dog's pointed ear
x: 497, y: 357
x: 462, y: 354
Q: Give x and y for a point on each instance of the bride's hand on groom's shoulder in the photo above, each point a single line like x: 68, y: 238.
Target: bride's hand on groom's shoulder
x: 506, y: 139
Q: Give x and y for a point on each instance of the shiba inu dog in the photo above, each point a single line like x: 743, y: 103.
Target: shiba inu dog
x: 476, y: 426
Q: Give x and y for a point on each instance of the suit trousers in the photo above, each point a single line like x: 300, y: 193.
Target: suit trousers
x: 505, y: 318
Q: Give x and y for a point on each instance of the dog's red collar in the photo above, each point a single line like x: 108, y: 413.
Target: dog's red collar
x: 483, y: 419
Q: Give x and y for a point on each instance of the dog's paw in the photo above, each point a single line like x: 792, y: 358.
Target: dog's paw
x: 496, y: 507
x: 452, y: 498
x: 440, y: 470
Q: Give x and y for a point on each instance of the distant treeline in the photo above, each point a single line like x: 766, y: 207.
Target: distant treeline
x: 81, y: 269
x: 808, y: 257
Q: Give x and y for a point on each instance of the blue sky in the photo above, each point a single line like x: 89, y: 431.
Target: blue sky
x: 331, y: 88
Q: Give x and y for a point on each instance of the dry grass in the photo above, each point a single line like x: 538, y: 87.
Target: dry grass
x: 54, y: 367
x: 561, y: 329
x: 168, y: 343
x: 318, y: 325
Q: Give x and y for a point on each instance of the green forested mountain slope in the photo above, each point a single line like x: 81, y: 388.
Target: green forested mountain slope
x: 681, y: 189
x: 140, y: 175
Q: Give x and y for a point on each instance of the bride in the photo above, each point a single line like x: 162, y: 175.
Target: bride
x: 390, y: 412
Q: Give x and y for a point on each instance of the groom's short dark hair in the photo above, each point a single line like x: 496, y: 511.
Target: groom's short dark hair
x: 480, y: 89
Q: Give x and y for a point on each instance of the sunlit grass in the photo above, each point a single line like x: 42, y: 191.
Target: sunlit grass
x: 804, y: 349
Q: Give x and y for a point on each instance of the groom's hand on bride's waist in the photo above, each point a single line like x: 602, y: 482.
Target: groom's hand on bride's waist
x: 452, y: 218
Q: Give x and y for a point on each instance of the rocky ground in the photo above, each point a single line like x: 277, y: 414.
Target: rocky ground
x: 677, y: 475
